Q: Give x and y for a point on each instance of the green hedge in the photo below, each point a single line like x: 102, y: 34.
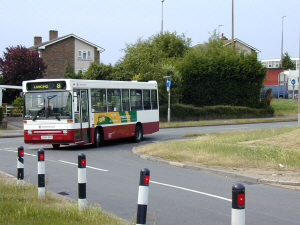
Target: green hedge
x: 181, y: 112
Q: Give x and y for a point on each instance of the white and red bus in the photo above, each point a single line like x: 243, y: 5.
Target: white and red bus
x: 71, y: 111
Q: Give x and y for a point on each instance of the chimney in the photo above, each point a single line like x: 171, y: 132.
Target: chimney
x: 37, y: 40
x: 224, y: 37
x: 53, y: 34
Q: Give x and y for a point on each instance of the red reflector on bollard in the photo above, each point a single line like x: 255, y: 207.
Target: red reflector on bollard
x: 146, y: 179
x: 241, y: 199
x: 83, y: 162
x: 41, y: 156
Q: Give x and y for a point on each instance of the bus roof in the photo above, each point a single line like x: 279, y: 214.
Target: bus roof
x: 86, y: 84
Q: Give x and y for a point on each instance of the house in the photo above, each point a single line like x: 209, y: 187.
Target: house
x: 240, y: 45
x: 59, y: 51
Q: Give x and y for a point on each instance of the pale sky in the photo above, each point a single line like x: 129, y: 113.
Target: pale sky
x: 111, y: 24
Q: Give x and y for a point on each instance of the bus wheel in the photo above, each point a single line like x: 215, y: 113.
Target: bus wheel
x: 55, y: 146
x: 138, y: 137
x: 98, y: 138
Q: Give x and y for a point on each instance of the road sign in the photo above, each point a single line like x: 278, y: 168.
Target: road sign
x: 168, y: 82
x: 293, y: 82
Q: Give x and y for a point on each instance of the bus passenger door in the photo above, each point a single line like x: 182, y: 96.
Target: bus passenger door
x: 81, y: 113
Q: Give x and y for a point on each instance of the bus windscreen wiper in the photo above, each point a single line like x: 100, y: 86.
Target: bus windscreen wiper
x: 37, y: 113
x: 57, y: 117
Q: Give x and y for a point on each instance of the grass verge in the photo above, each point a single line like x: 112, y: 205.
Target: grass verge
x: 265, y: 149
x: 284, y: 107
x: 20, y: 205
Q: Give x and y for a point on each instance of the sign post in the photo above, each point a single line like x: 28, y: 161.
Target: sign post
x: 293, y: 83
x: 168, y: 83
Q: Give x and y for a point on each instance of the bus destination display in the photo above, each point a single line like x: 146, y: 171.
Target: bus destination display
x: 46, y: 85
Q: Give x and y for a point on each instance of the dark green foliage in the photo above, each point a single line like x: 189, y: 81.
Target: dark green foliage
x: 287, y: 62
x: 213, y: 74
x: 98, y: 71
x: 181, y: 112
x: 266, y: 98
x: 2, y: 110
x: 154, y: 58
x: 69, y: 72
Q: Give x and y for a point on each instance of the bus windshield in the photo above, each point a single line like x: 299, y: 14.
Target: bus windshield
x: 48, y: 105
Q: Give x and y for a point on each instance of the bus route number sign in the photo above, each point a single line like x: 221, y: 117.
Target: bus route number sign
x: 46, y: 85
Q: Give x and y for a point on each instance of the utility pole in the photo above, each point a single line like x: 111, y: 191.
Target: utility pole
x: 232, y: 30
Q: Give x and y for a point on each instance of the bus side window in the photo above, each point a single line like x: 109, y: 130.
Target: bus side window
x: 136, y: 100
x: 154, y: 103
x: 113, y: 100
x: 146, y: 99
x: 125, y: 100
x: 98, y: 100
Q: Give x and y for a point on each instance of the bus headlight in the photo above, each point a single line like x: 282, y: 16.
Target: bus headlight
x: 65, y: 131
x: 29, y: 131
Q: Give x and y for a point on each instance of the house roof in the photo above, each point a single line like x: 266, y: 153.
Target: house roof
x: 228, y: 42
x: 55, y: 40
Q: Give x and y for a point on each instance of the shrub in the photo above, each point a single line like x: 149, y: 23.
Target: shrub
x: 18, y: 102
x: 181, y: 112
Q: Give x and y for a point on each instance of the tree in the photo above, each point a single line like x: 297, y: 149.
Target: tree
x: 69, y: 72
x: 98, y: 71
x: 154, y: 58
x: 287, y: 63
x: 214, y: 74
x: 19, y: 64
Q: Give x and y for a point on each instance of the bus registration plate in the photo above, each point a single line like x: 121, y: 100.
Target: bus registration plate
x: 46, y: 137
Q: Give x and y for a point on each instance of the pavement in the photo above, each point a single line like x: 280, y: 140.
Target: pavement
x: 15, y: 127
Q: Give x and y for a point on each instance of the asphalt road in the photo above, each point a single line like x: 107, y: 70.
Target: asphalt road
x: 176, y: 195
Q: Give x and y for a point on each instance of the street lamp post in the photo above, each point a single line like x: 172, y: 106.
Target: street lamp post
x: 232, y: 29
x: 282, y: 43
x: 162, y: 16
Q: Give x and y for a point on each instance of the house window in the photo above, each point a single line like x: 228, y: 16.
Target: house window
x: 82, y: 71
x: 84, y: 54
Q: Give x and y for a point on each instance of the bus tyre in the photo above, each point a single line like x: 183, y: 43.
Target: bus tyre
x: 98, y: 138
x: 55, y: 146
x: 138, y: 137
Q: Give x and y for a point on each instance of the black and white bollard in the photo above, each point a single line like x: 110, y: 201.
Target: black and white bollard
x: 238, y: 204
x: 20, y: 165
x: 82, y: 203
x: 141, y: 215
x: 41, y: 173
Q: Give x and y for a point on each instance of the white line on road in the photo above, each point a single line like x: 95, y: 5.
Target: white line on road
x: 30, y: 154
x: 190, y: 190
x: 8, y: 150
x: 90, y: 167
x: 234, y: 128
